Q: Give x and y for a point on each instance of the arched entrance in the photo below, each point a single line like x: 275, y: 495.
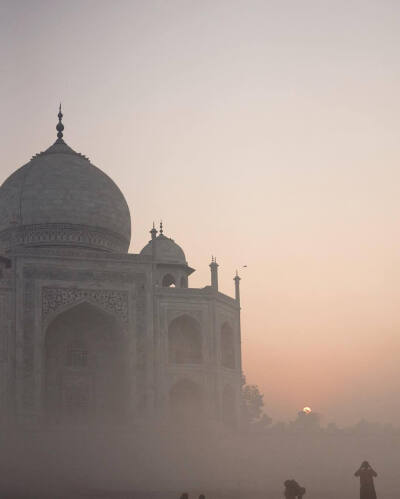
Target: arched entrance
x: 184, y: 341
x: 168, y: 281
x: 85, y: 368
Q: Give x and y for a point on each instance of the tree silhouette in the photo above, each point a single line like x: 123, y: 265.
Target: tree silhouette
x: 252, y: 405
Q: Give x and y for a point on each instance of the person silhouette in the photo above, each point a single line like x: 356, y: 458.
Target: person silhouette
x: 367, y: 475
x: 289, y: 490
x: 185, y: 495
x: 293, y: 490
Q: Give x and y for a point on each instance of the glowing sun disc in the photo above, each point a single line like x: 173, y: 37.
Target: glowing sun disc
x: 307, y: 410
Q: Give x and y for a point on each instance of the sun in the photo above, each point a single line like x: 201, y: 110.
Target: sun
x: 307, y: 410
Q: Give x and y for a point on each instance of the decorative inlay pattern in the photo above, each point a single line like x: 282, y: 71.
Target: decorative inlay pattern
x: 63, y: 234
x: 115, y: 302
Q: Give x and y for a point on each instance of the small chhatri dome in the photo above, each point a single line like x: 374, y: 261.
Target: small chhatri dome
x: 165, y: 249
x: 60, y: 198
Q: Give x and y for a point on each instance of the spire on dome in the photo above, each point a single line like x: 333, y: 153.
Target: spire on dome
x: 161, y: 227
x: 60, y: 126
x: 153, y: 232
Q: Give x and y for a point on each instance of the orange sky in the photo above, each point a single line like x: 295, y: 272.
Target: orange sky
x: 263, y: 132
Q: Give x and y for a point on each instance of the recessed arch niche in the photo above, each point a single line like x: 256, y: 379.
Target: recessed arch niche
x: 184, y: 341
x: 168, y: 281
x: 86, y: 378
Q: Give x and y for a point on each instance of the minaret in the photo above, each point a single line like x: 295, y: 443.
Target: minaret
x: 237, y: 287
x: 214, y: 273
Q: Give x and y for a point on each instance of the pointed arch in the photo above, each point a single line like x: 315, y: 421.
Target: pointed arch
x: 184, y: 341
x: 168, y: 281
x: 56, y: 300
x: 85, y: 367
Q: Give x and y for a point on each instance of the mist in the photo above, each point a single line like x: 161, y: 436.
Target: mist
x: 167, y: 462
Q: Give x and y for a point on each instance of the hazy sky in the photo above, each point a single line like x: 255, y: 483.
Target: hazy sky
x: 263, y: 132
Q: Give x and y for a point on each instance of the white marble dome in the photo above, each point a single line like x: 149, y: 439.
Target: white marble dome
x: 60, y: 198
x: 166, y: 250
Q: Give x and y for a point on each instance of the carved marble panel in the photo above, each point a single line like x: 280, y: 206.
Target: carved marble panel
x: 57, y: 298
x: 174, y: 313
x: 63, y: 235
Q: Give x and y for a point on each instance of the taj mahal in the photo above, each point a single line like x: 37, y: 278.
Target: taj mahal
x: 92, y: 334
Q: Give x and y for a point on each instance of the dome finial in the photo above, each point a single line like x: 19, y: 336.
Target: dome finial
x: 153, y: 232
x: 60, y: 126
x: 161, y: 227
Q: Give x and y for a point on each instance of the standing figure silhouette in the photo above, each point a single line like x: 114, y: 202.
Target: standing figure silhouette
x: 367, y: 475
x: 293, y: 490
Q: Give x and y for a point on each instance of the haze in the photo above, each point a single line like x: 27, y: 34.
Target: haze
x: 263, y: 132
